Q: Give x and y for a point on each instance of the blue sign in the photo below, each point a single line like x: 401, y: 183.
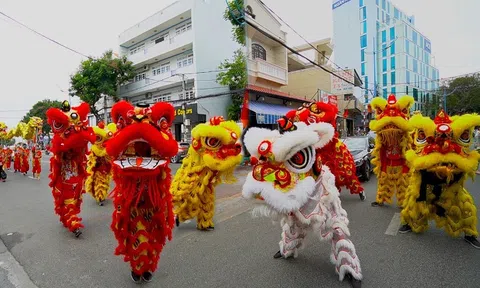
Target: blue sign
x: 339, y: 3
x: 428, y: 46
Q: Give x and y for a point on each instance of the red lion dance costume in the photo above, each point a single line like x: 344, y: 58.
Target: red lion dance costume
x: 36, y: 167
x: 67, y: 166
x: 8, y: 159
x: 334, y: 154
x: 24, y: 155
x: 141, y: 149
x: 16, y: 158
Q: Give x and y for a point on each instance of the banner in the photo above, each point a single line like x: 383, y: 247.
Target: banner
x: 340, y: 86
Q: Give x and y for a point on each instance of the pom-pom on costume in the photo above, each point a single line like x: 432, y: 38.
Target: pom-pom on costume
x: 211, y: 160
x: 392, y: 141
x: 334, y: 154
x: 297, y: 188
x: 440, y: 164
x: 141, y: 150
x: 67, y: 166
x: 99, y: 167
x: 36, y: 159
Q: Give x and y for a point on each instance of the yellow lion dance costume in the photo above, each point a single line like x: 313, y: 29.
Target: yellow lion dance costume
x: 98, y: 166
x: 392, y: 141
x: 211, y: 160
x: 440, y: 162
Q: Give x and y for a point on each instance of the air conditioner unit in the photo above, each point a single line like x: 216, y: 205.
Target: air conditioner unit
x: 145, y: 68
x: 148, y: 95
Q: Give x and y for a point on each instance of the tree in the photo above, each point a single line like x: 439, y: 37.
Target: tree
x: 39, y: 110
x: 235, y: 14
x: 463, y: 95
x: 235, y: 77
x: 98, y: 77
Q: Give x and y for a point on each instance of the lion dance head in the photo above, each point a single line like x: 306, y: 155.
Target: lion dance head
x: 102, y: 134
x: 287, y: 166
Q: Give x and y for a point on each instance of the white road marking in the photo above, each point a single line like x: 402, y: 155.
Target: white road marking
x: 392, y: 229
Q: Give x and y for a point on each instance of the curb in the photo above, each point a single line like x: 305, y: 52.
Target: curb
x: 12, y: 273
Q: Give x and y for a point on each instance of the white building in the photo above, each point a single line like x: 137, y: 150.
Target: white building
x: 381, y: 41
x: 185, y: 41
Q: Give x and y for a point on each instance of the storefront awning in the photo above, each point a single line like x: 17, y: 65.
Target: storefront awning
x: 268, y: 113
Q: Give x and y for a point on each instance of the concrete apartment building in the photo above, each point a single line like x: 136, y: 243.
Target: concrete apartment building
x: 381, y: 41
x: 311, y: 82
x: 176, y: 53
x: 267, y: 64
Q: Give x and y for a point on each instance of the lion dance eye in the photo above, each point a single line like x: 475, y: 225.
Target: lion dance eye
x: 212, y: 142
x: 465, y: 137
x: 421, y: 137
x: 99, y: 139
x: 264, y: 148
x: 57, y: 126
x: 302, y: 160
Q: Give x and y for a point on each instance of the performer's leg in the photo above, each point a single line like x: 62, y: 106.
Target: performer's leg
x: 292, y: 238
x: 71, y: 219
x: 101, y: 185
x: 206, y: 210
x: 415, y: 214
x: 385, y: 189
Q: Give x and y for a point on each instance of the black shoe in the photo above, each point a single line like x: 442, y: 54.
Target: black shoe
x: 147, y: 276
x: 136, y: 278
x: 354, y: 282
x: 77, y: 233
x: 405, y: 229
x: 211, y: 228
x: 362, y: 196
x: 177, y: 221
x: 277, y: 255
x: 100, y: 203
x: 472, y: 241
x: 376, y: 204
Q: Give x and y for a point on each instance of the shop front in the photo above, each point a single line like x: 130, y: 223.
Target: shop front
x: 186, y: 115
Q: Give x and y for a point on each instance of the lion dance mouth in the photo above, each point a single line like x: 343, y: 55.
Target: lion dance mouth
x: 141, y: 149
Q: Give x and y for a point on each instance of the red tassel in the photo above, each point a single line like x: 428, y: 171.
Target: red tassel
x: 245, y: 111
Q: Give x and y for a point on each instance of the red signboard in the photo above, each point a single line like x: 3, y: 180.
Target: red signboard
x: 332, y: 99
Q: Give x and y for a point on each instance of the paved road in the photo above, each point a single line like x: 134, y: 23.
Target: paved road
x: 237, y: 254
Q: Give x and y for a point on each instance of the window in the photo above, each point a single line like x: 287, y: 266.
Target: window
x: 185, y: 61
x: 407, y: 46
x: 395, y: 13
x: 385, y: 79
x: 392, y: 77
x: 363, y: 69
x: 385, y: 94
x: 163, y: 98
x: 164, y: 68
x: 139, y: 77
x: 364, y: 13
x: 414, y: 37
x: 160, y: 39
x: 258, y: 52
x: 392, y: 33
x: 384, y: 50
x: 392, y: 62
x: 392, y: 49
x: 378, y: 13
x: 406, y: 90
x: 415, y: 66
x: 363, y: 41
x: 408, y: 78
x: 415, y: 94
x: 376, y: 1
x: 384, y: 4
x: 362, y: 3
x: 137, y: 49
x: 384, y: 36
x: 366, y: 82
x: 362, y: 55
x: 364, y: 27
x: 394, y: 90
x: 189, y: 94
x: 184, y: 28
x: 384, y: 65
x: 406, y: 61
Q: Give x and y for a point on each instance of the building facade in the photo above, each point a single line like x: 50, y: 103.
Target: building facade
x: 176, y: 53
x: 381, y: 41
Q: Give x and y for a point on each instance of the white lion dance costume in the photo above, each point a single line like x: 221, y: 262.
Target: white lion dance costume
x: 296, y: 187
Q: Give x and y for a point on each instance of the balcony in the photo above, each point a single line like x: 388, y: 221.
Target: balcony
x: 165, y: 49
x: 268, y: 71
x: 152, y: 83
x: 353, y: 104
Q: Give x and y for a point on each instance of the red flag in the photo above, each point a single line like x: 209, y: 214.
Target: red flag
x: 345, y: 114
x: 245, y: 111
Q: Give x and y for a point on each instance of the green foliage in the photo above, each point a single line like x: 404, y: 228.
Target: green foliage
x: 98, y: 77
x: 432, y: 105
x: 8, y: 142
x: 234, y: 14
x: 39, y: 110
x: 235, y: 77
x: 465, y: 95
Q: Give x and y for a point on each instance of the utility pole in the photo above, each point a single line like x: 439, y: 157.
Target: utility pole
x: 184, y: 108
x: 374, y: 69
x: 105, y: 109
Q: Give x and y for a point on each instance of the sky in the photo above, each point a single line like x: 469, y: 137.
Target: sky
x: 33, y: 68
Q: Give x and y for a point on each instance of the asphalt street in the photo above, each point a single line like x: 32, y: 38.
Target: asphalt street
x: 39, y: 252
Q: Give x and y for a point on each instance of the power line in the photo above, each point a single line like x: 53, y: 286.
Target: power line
x: 46, y: 37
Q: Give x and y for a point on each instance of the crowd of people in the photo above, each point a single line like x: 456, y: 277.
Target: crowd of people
x: 19, y: 158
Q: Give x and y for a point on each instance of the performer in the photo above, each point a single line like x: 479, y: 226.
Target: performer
x: 334, y: 153
x: 211, y: 160
x: 141, y: 149
x: 36, y: 159
x: 3, y: 175
x: 24, y: 159
x: 67, y: 172
x: 8, y: 158
x: 440, y: 164
x: 16, y: 158
x: 99, y: 167
x: 297, y: 188
x: 392, y: 141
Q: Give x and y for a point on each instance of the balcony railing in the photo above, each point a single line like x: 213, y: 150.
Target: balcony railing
x: 268, y: 71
